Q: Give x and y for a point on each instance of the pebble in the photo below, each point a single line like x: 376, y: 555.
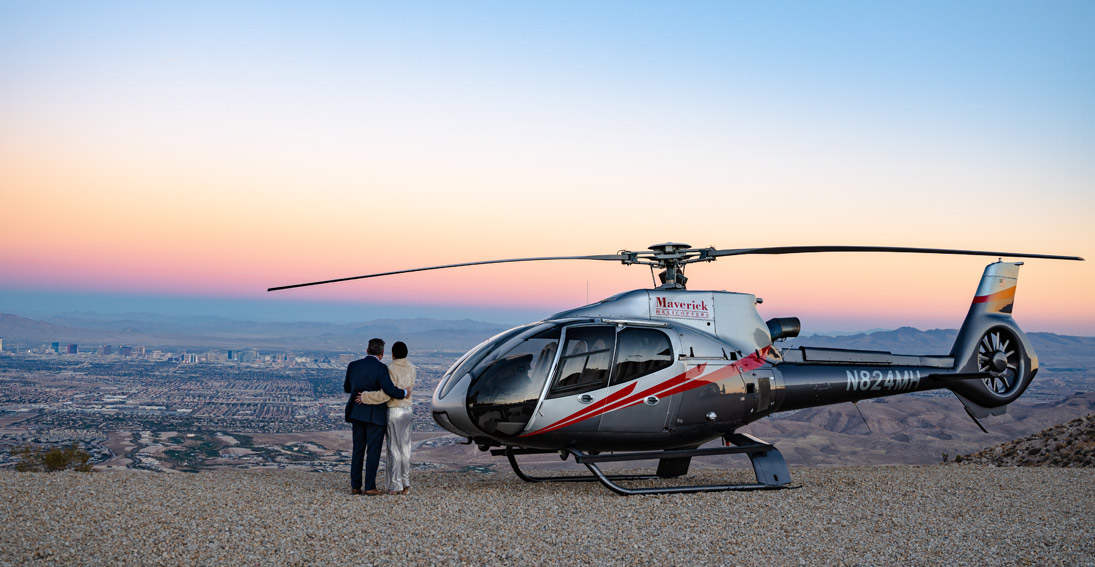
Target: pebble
x: 882, y: 515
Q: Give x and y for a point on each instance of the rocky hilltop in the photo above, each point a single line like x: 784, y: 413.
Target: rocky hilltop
x: 853, y: 516
x: 1070, y: 444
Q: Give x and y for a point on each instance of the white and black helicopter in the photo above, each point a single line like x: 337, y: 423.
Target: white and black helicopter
x: 656, y: 373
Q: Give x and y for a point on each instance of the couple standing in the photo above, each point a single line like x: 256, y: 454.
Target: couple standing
x: 380, y: 402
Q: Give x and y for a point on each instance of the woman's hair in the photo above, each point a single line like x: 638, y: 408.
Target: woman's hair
x: 399, y: 350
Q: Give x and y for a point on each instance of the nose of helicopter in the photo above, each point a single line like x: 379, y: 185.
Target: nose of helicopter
x: 450, y: 411
x: 449, y: 403
x: 442, y: 419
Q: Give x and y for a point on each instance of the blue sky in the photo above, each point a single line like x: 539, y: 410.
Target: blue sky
x: 209, y: 150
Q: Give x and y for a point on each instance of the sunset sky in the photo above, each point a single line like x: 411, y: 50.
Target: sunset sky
x: 183, y: 157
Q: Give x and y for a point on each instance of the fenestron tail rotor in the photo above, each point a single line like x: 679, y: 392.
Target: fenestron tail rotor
x: 998, y: 357
x: 671, y: 257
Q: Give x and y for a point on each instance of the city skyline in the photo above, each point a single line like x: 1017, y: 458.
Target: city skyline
x: 182, y: 159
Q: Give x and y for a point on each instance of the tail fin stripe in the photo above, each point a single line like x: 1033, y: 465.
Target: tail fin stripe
x: 1003, y: 294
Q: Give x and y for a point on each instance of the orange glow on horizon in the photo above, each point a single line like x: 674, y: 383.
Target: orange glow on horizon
x: 198, y: 164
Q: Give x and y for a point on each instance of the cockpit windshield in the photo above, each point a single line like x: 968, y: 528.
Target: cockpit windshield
x: 507, y: 381
x: 486, y: 350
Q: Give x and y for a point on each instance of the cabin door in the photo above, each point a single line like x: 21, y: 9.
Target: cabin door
x: 644, y: 361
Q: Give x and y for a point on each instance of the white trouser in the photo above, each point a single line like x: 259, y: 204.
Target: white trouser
x: 399, y: 448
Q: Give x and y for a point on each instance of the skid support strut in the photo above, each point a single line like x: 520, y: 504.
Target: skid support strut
x: 768, y: 465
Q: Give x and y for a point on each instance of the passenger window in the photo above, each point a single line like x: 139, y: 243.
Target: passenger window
x: 640, y: 352
x: 586, y: 360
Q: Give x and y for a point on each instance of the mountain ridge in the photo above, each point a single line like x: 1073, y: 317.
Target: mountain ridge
x: 216, y: 331
x: 212, y: 331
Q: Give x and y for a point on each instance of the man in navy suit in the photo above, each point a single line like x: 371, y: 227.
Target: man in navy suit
x: 369, y: 421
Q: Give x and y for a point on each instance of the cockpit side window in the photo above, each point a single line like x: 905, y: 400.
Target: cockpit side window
x: 586, y: 360
x: 640, y: 352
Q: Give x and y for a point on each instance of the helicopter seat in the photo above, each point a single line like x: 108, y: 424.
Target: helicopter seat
x: 544, y: 360
x: 575, y: 348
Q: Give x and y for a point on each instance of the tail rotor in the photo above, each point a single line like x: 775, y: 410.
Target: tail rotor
x: 999, y: 357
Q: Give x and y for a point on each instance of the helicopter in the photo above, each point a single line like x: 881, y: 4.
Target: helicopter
x: 656, y: 374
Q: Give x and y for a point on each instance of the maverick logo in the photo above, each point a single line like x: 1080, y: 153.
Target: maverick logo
x: 663, y: 307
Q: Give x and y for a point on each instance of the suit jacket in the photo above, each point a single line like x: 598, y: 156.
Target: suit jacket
x: 369, y: 374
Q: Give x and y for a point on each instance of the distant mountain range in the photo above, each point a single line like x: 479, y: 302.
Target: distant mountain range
x: 209, y: 331
x: 908, y: 340
x: 206, y: 331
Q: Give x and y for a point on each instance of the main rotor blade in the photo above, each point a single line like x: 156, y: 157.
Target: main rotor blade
x: 809, y: 249
x: 611, y: 257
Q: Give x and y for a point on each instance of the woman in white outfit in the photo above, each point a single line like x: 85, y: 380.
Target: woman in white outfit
x: 400, y: 420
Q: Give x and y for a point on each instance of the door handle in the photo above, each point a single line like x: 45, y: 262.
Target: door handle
x: 585, y: 398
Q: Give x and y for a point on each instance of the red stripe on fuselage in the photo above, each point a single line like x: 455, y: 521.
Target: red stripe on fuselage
x: 751, y: 362
x: 612, y: 402
x: 595, y: 409
x: 680, y: 383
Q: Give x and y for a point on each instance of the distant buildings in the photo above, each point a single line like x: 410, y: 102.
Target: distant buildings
x: 103, y: 353
x: 214, y: 356
x: 248, y: 356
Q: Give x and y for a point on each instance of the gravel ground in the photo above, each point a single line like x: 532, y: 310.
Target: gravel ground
x: 900, y: 515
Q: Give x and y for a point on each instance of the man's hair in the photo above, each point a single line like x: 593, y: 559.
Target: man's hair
x: 399, y: 350
x: 376, y: 347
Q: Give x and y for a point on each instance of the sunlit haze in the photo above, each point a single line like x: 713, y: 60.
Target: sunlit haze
x: 184, y: 157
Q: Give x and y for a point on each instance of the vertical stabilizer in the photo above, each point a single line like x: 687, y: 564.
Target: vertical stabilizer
x: 991, y: 347
x: 996, y: 293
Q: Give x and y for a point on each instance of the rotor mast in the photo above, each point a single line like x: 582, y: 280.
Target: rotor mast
x: 671, y: 258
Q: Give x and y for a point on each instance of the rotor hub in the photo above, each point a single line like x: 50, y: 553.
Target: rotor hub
x: 668, y: 247
x: 999, y: 361
x: 671, y: 257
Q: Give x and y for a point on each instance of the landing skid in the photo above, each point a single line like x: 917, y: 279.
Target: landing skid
x: 511, y: 454
x: 768, y: 465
